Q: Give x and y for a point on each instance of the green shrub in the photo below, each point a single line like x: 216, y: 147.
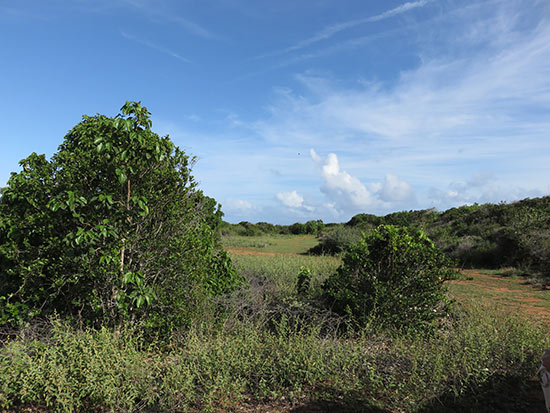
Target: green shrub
x: 304, y: 280
x: 393, y: 278
x: 112, y: 228
x: 336, y: 241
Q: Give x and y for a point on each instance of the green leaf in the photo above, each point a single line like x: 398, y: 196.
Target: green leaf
x: 139, y: 302
x: 128, y: 278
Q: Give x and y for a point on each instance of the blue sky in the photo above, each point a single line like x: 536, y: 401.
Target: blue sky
x: 298, y: 110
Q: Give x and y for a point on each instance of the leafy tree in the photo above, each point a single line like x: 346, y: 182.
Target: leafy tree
x: 314, y: 227
x: 297, y: 228
x: 112, y: 229
x: 394, y: 277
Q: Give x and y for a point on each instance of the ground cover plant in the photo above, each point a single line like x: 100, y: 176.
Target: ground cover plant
x: 60, y: 368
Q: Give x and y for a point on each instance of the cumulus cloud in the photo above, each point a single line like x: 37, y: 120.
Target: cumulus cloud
x: 293, y: 200
x: 290, y: 199
x: 347, y: 193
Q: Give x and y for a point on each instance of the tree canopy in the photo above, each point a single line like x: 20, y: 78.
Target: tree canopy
x: 112, y: 228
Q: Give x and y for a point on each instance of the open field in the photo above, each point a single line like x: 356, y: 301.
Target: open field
x: 491, y: 292
x: 511, y: 292
x: 274, y: 244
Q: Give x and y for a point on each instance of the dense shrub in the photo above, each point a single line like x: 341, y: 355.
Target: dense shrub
x: 112, y: 229
x: 336, y: 240
x: 488, y: 235
x: 249, y: 229
x: 394, y: 278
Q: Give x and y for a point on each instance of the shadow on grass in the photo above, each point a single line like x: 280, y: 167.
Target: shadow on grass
x: 503, y: 394
x: 338, y: 403
x: 343, y: 407
x: 509, y: 394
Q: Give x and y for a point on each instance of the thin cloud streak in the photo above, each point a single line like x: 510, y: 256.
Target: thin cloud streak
x: 153, y: 11
x: 155, y: 47
x: 332, y: 30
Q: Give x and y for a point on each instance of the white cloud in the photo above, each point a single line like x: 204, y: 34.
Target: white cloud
x: 396, y: 190
x: 231, y: 204
x: 154, y: 46
x: 348, y: 194
x: 480, y: 188
x: 345, y: 191
x: 158, y: 13
x: 290, y: 199
x: 293, y: 200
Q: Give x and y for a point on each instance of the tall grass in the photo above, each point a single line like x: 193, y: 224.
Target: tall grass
x: 285, y: 244
x: 281, y: 271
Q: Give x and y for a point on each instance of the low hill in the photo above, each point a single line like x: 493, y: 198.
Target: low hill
x: 489, y: 235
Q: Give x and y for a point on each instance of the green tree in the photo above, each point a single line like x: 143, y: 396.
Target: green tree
x: 113, y: 229
x: 392, y: 278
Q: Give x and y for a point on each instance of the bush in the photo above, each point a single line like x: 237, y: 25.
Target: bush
x: 112, y: 228
x: 336, y: 241
x: 393, y: 278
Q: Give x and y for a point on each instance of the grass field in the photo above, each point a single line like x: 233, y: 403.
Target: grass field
x: 504, y: 287
x: 275, y: 244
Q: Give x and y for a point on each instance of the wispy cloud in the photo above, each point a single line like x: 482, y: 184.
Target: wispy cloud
x: 154, y: 46
x: 456, y: 113
x: 468, y: 123
x: 332, y: 30
x: 15, y: 13
x: 157, y: 13
x: 487, y: 92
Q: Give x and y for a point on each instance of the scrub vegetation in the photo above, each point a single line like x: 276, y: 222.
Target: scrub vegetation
x: 116, y: 294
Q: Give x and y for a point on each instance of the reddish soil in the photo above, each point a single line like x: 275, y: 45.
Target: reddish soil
x: 242, y: 251
x: 518, y: 293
